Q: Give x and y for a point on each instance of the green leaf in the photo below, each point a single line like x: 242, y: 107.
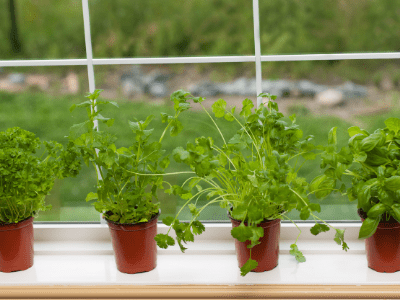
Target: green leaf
x: 251, y: 264
x: 247, y: 106
x: 368, y: 227
x: 218, y: 108
x: 317, y: 228
x: 94, y: 95
x: 78, y: 129
x: 315, y: 207
x: 356, y: 130
x: 297, y: 253
x: 198, y: 227
x: 392, y: 183
x: 91, y: 196
x: 134, y: 126
x: 396, y: 210
x: 363, y: 195
x: 332, y: 140
x: 339, y: 239
x: 239, y: 213
x: 189, y: 237
x: 73, y: 106
x: 110, y: 122
x: 176, y: 127
x: 229, y: 116
x: 376, y: 210
x: 163, y: 240
x: 253, y: 180
x: 114, y: 103
x: 193, y: 209
x: 168, y: 221
x: 393, y: 124
x: 360, y: 156
x: 198, y: 99
x: 180, y: 154
x: 325, y: 188
x: 370, y: 142
x: 164, y: 117
x: 309, y: 155
x: 242, y: 233
x: 305, y: 213
x: 316, y: 182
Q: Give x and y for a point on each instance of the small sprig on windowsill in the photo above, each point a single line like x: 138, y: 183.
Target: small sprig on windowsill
x: 373, y: 162
x: 249, y: 174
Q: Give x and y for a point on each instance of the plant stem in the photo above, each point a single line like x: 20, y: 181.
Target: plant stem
x: 214, y: 123
x: 296, y: 226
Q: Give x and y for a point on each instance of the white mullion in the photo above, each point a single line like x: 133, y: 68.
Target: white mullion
x: 331, y: 56
x: 89, y: 55
x: 43, y: 62
x: 173, y: 60
x: 257, y: 48
x: 197, y: 59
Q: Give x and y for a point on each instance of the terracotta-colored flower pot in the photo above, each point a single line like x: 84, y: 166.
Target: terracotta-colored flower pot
x: 267, y: 252
x: 16, y: 246
x: 134, y: 245
x: 383, y: 247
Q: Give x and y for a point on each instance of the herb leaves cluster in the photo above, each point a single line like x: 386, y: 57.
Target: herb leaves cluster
x: 373, y: 161
x: 253, y: 175
x: 26, y: 178
x: 127, y: 177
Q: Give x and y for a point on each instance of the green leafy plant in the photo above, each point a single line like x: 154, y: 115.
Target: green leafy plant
x: 373, y: 161
x: 25, y: 178
x: 253, y: 175
x: 127, y: 178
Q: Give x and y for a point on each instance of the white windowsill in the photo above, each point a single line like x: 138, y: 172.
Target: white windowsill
x: 83, y: 255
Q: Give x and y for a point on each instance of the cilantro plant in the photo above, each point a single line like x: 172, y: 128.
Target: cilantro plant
x: 26, y: 178
x: 373, y: 161
x: 127, y: 178
x: 253, y: 174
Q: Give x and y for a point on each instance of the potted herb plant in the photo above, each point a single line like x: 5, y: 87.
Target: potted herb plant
x: 373, y: 162
x: 25, y: 180
x: 127, y: 179
x: 254, y: 176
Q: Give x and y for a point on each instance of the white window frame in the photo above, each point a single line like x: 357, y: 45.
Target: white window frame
x: 89, y: 62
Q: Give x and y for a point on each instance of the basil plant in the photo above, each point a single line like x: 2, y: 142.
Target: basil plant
x: 252, y: 174
x: 373, y: 162
x: 127, y: 177
x: 26, y: 178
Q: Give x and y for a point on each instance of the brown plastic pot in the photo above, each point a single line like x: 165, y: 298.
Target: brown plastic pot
x: 16, y: 246
x: 134, y: 245
x: 383, y: 247
x: 267, y: 252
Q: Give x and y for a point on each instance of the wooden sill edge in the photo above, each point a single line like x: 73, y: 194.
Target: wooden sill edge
x: 202, y: 292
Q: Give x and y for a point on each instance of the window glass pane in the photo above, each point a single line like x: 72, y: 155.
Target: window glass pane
x: 42, y: 29
x: 37, y: 99
x: 145, y: 89
x: 330, y: 26
x: 326, y: 94
x: 159, y: 28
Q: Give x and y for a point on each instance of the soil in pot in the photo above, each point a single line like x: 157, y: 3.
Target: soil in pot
x: 134, y: 245
x: 383, y: 247
x: 16, y: 246
x: 267, y: 252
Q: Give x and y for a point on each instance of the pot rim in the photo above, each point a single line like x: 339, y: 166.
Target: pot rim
x: 132, y: 224
x: 18, y: 225
x: 392, y: 221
